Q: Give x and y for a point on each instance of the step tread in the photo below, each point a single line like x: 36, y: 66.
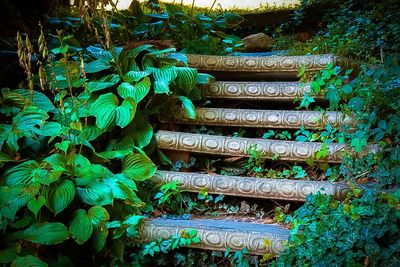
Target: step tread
x: 221, y: 234
x: 240, y: 146
x: 261, y: 188
x: 271, y: 91
x: 270, y: 64
x: 288, y: 119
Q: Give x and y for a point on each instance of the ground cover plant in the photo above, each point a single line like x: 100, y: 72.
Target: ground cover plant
x: 77, y: 148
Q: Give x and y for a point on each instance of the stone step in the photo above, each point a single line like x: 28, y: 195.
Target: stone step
x: 260, y: 91
x: 275, y: 67
x: 260, y: 188
x: 287, y: 119
x: 221, y: 234
x: 239, y: 146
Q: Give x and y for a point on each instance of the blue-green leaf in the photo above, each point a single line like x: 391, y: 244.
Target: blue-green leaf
x: 97, y: 66
x: 138, y: 167
x: 188, y: 106
x: 103, y: 83
x: 46, y: 233
x: 81, y: 226
x: 137, y: 91
x: 125, y: 113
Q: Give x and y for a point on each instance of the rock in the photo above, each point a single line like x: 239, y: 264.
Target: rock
x: 244, y: 207
x: 258, y: 42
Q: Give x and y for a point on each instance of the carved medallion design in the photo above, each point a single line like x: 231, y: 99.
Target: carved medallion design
x: 221, y: 234
x: 288, y: 119
x: 238, y: 146
x: 261, y: 188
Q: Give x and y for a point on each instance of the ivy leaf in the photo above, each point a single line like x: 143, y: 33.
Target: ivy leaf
x: 103, y: 83
x: 138, y: 167
x: 356, y: 103
x: 125, y: 113
x: 188, y: 106
x: 81, y: 226
x: 104, y: 110
x: 358, y: 143
x: 28, y: 261
x: 35, y: 205
x: 137, y: 91
x: 186, y: 78
x: 97, y: 66
x: 98, y: 214
x: 58, y: 197
x: 46, y: 233
x: 95, y: 193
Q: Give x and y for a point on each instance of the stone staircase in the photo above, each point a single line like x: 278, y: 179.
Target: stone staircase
x: 251, y: 79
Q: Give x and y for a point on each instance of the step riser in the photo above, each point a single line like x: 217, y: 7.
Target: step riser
x: 286, y: 119
x: 220, y: 236
x: 271, y: 67
x: 271, y: 91
x: 229, y: 146
x: 260, y: 188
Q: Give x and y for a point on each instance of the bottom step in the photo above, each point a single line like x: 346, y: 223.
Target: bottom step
x: 220, y: 235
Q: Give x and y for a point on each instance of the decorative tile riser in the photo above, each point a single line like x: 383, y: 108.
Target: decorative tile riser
x: 278, y: 91
x: 238, y: 146
x: 221, y: 235
x: 260, y: 188
x: 287, y: 119
x: 271, y: 64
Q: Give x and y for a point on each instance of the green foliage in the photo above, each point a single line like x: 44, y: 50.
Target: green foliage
x: 362, y: 229
x: 72, y: 154
x: 359, y: 230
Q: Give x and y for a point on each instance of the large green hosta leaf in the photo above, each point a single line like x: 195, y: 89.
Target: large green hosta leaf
x: 46, y: 233
x: 188, y: 106
x: 39, y: 100
x: 138, y: 167
x: 13, y: 198
x: 99, y: 53
x: 103, y: 83
x: 165, y: 73
x: 58, y: 197
x: 186, y: 78
x: 81, y: 226
x: 125, y: 113
x: 135, y: 76
x: 26, y: 121
x: 161, y: 87
x: 98, y: 214
x: 20, y: 174
x: 96, y: 193
x: 100, y: 233
x: 137, y: 91
x: 97, y: 66
x: 28, y: 261
x: 106, y: 109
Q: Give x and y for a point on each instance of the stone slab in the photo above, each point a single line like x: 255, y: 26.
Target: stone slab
x: 286, y: 119
x: 221, y: 234
x: 260, y: 188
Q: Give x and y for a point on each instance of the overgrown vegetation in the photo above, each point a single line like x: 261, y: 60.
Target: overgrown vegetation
x: 76, y: 139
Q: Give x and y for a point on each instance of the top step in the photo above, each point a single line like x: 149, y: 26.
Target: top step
x: 254, y: 68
